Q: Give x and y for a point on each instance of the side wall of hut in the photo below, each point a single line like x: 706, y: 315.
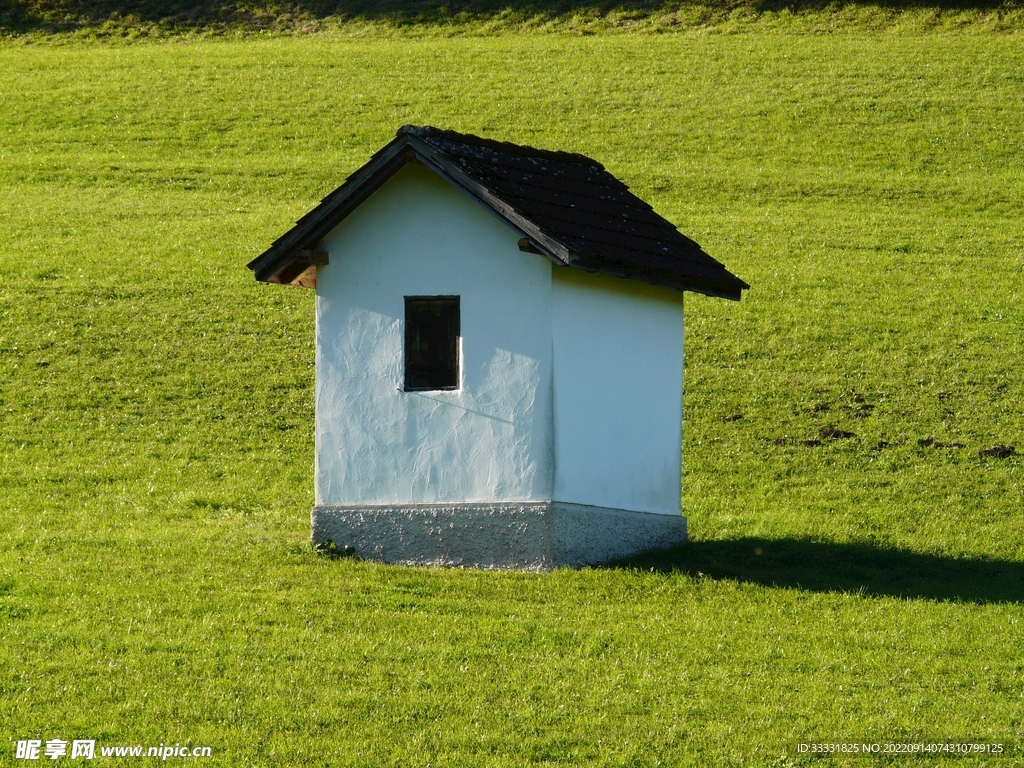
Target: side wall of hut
x: 618, y: 392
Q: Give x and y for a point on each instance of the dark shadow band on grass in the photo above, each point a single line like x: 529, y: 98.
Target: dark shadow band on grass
x: 853, y: 568
x: 183, y: 16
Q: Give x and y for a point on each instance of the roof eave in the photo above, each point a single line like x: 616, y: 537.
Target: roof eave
x: 722, y: 290
x: 276, y: 264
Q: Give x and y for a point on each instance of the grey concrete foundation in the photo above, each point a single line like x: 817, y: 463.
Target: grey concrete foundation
x: 524, y: 535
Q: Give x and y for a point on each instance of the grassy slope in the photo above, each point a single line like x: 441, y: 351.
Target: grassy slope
x: 156, y: 414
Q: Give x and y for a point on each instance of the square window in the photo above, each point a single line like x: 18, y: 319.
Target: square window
x: 431, y: 342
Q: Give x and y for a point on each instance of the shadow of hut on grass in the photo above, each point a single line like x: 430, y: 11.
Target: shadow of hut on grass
x: 829, y: 567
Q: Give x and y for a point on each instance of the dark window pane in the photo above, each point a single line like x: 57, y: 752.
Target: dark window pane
x: 431, y: 342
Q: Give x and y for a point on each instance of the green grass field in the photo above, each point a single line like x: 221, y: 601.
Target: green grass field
x: 156, y: 580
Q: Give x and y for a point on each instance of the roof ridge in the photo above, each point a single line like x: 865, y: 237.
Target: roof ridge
x: 429, y: 131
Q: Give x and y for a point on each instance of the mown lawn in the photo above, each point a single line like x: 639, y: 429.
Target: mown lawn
x: 156, y: 580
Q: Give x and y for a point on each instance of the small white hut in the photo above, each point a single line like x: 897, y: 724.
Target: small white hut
x: 499, y: 356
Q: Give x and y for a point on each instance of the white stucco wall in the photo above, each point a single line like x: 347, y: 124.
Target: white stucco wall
x: 618, y: 392
x: 488, y: 441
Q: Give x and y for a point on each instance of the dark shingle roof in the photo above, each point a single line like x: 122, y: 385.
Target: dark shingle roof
x: 566, y: 205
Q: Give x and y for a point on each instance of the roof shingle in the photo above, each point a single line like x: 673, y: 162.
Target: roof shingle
x: 567, y: 206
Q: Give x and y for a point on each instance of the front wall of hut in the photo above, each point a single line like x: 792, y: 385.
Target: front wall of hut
x: 489, y: 440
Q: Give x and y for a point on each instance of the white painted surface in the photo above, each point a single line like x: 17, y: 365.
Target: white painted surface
x: 571, y: 383
x: 488, y: 441
x: 618, y: 392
